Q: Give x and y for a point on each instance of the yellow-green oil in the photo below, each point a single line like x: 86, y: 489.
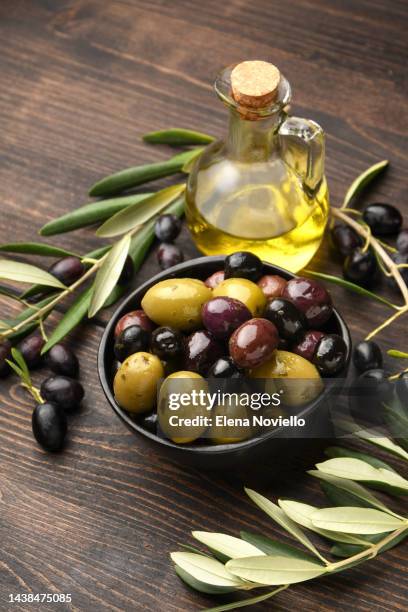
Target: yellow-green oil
x: 260, y: 206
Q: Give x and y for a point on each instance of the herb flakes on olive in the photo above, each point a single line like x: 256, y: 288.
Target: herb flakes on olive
x: 135, y: 383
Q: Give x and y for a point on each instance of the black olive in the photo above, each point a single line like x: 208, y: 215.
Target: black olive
x: 290, y: 321
x: 330, y: 354
x: 49, y: 425
x: 224, y: 367
x: 169, y: 255
x: 127, y: 273
x: 62, y: 360
x: 66, y: 392
x: 401, y: 387
x: 402, y: 241
x: 201, y: 350
x: 366, y: 396
x: 399, y: 258
x: 361, y: 268
x: 166, y: 343
x: 167, y: 227
x: 345, y: 239
x: 67, y: 270
x: 30, y: 348
x: 383, y: 219
x: 131, y: 340
x: 149, y: 421
x: 243, y: 264
x: 367, y: 356
x: 5, y: 353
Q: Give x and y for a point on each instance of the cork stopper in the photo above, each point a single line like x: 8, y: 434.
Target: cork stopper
x: 255, y: 83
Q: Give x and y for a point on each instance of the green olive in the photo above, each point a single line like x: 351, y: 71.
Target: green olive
x: 245, y: 291
x: 135, y: 383
x: 183, y: 420
x: 176, y: 302
x: 298, y: 378
x: 224, y: 432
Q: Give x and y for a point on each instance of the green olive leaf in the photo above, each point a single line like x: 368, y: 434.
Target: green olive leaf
x: 245, y: 602
x: 382, y: 442
x: 268, y: 570
x: 187, y: 167
x: 348, y: 550
x: 132, y: 177
x: 355, y: 520
x: 108, y: 275
x: 364, y: 179
x: 339, y: 451
x: 273, y: 547
x: 228, y: 546
x: 301, y: 513
x: 208, y: 573
x: 90, y: 214
x: 397, y: 354
x: 283, y: 520
x: 139, y: 213
x: 177, y: 136
x: 36, y: 248
x: 26, y: 273
x: 355, y: 492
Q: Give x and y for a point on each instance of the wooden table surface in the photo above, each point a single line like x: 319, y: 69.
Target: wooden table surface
x: 80, y: 81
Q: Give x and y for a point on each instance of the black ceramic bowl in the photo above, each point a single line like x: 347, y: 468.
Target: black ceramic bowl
x: 225, y: 456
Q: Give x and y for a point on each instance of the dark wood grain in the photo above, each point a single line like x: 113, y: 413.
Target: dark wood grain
x: 80, y: 81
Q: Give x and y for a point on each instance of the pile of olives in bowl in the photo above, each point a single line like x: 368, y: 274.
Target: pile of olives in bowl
x: 218, y: 318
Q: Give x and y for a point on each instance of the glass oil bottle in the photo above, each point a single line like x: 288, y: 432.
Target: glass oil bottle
x: 262, y: 189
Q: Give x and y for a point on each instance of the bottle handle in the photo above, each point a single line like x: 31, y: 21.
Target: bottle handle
x: 302, y: 147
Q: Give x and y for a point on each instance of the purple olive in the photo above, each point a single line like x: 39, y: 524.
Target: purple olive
x: 30, y: 348
x: 222, y: 315
x: 62, y: 360
x: 253, y: 343
x: 67, y: 270
x: 201, y: 350
x: 169, y: 255
x: 306, y: 346
x: 135, y: 317
x: 5, y: 353
x: 311, y: 298
x: 215, y: 279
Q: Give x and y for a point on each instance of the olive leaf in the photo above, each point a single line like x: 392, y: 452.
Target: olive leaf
x: 355, y: 469
x: 36, y: 248
x: 349, y: 285
x: 283, y: 520
x: 138, y: 214
x: 108, y: 274
x: 205, y: 574
x: 273, y: 547
x: 397, y: 354
x: 132, y: 177
x: 356, y: 520
x: 364, y: 179
x: 177, y: 136
x: 246, y: 602
x: 90, y: 214
x: 336, y: 487
x: 347, y: 550
x: 26, y: 273
x: 301, y: 513
x: 187, y: 167
x: 271, y: 570
x: 339, y: 451
x: 74, y: 315
x: 382, y: 442
x: 226, y: 545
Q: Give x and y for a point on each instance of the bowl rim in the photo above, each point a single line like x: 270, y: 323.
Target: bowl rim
x: 174, y: 272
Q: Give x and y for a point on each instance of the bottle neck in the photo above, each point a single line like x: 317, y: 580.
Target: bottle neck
x: 251, y: 141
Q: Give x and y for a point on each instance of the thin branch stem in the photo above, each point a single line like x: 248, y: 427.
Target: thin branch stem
x: 387, y: 322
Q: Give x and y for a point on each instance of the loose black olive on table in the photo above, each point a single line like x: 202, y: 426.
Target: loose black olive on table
x: 367, y: 393
x: 330, y: 354
x: 361, y: 268
x: 222, y: 315
x: 345, y: 239
x: 290, y: 321
x: 127, y: 273
x: 131, y: 340
x: 5, y: 353
x: 49, y: 425
x: 62, y: 360
x: 167, y: 228
x: 367, y: 355
x: 30, y: 348
x: 402, y: 241
x: 66, y: 392
x: 201, y: 350
x: 166, y: 343
x: 169, y: 255
x: 383, y: 219
x: 243, y: 264
x: 67, y: 270
x: 311, y: 298
x: 224, y: 367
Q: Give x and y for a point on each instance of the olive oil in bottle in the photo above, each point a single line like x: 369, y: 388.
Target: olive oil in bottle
x: 262, y: 189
